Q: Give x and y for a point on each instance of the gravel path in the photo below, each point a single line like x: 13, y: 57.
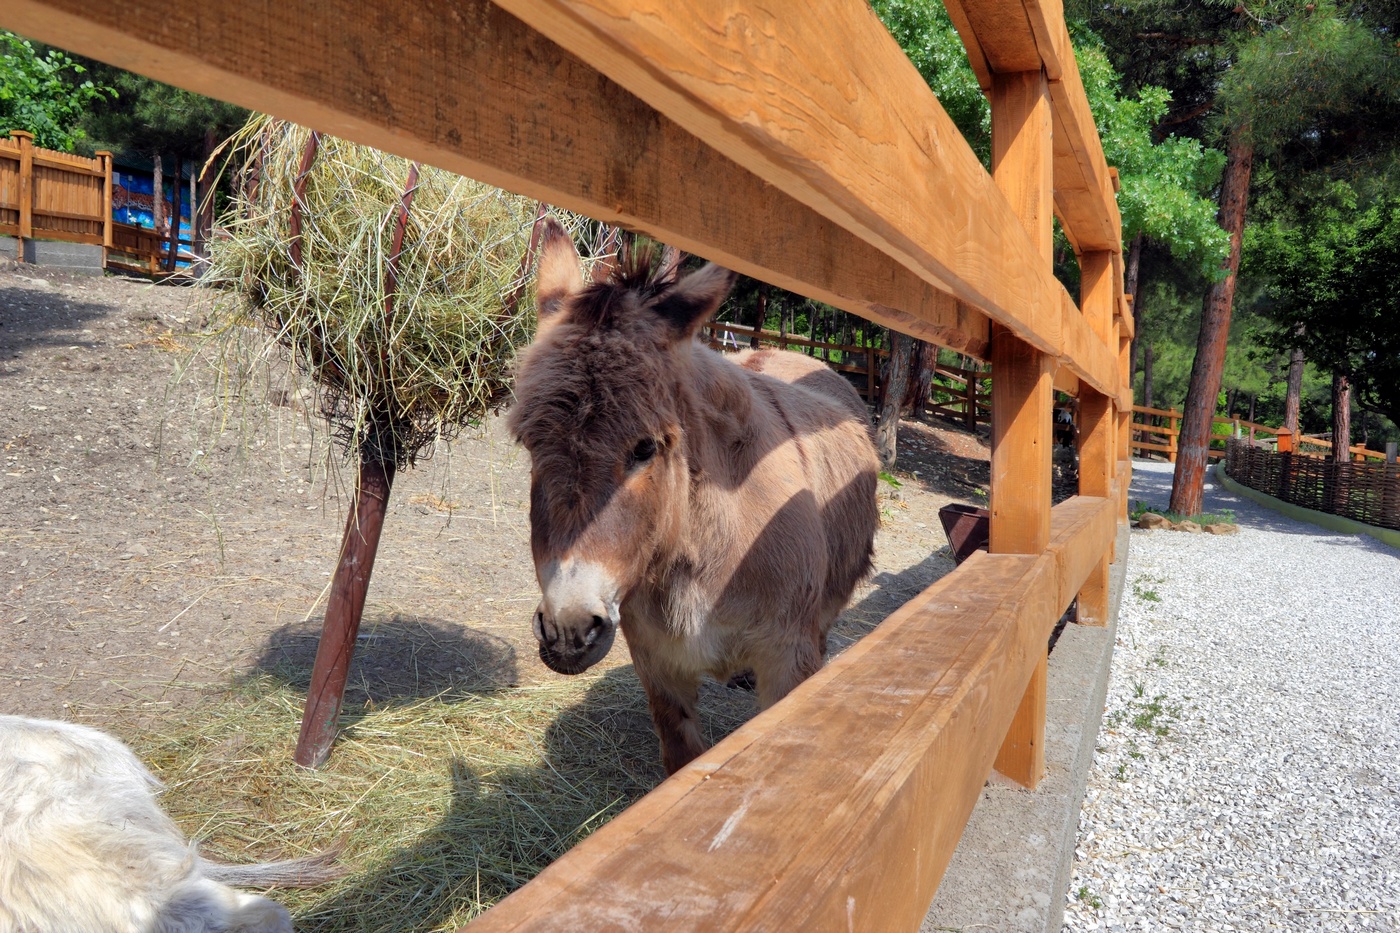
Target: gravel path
x: 1246, y: 777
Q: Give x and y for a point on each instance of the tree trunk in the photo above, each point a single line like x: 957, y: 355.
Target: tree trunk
x: 157, y: 194
x: 1194, y: 442
x: 1292, y: 401
x: 921, y: 366
x: 173, y: 256
x: 1231, y: 397
x: 1131, y: 274
x: 204, y: 229
x: 1341, y: 418
x: 901, y: 350
x: 1147, y: 376
x: 761, y: 316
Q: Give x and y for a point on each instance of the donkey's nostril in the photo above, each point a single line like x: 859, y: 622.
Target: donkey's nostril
x: 596, y: 629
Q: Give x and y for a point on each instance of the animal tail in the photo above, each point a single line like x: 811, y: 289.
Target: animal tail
x: 306, y: 872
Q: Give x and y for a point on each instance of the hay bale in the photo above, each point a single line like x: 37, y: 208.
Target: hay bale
x: 401, y: 351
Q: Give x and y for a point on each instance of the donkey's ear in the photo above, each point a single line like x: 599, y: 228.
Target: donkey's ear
x: 560, y: 273
x: 694, y: 299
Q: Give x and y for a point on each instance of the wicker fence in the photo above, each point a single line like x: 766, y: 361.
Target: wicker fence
x: 1365, y: 491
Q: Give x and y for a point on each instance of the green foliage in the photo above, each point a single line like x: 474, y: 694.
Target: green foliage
x: 923, y: 29
x: 150, y: 117
x: 44, y: 93
x: 1306, y: 69
x: 1166, y: 182
x: 1332, y: 270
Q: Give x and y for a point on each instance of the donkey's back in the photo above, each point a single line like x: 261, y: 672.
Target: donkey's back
x: 829, y: 451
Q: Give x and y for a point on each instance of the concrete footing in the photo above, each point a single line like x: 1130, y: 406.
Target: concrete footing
x: 1011, y: 869
x: 78, y: 258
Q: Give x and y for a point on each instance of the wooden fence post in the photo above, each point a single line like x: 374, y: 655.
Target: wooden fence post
x: 1176, y: 428
x: 1123, y: 437
x: 1097, y: 428
x: 1022, y: 387
x: 106, y: 158
x: 970, y: 420
x: 26, y: 190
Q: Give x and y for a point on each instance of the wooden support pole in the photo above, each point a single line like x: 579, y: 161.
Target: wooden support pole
x: 26, y: 190
x: 1125, y: 418
x: 346, y: 605
x: 1022, y: 386
x: 1097, y: 425
x: 106, y: 158
x: 360, y: 543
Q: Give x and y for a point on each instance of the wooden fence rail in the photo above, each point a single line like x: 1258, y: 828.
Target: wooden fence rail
x: 1361, y: 490
x: 805, y: 151
x: 1158, y: 430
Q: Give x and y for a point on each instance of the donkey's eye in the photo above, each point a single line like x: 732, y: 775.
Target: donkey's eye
x: 644, y: 451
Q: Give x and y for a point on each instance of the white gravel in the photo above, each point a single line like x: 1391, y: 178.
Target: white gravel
x: 1248, y: 769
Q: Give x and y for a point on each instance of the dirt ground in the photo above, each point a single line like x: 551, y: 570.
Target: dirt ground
x: 164, y: 530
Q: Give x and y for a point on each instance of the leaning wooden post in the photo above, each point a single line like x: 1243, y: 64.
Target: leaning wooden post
x: 1022, y: 387
x: 379, y: 455
x: 26, y: 190
x: 308, y: 156
x: 1097, y: 427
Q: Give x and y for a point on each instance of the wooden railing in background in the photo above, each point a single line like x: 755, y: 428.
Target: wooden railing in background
x: 955, y: 392
x: 48, y: 195
x: 1158, y: 430
x: 1364, y: 491
x: 805, y: 151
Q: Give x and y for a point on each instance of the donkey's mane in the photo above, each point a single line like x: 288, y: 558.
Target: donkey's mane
x: 635, y: 273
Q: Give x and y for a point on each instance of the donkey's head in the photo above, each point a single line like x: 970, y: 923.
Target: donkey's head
x: 600, y: 403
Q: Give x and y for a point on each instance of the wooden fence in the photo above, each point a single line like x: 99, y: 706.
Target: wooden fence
x: 1366, y: 491
x: 804, y: 150
x: 48, y: 195
x: 1156, y: 430
x: 955, y: 392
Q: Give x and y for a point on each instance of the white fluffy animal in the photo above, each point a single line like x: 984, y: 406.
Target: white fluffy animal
x: 85, y: 848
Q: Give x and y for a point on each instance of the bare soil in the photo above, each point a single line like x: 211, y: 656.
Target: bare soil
x: 163, y: 531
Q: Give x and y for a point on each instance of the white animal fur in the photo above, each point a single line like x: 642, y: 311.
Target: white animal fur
x: 85, y: 848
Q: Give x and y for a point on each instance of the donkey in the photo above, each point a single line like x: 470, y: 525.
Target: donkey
x: 85, y: 847
x: 720, y: 510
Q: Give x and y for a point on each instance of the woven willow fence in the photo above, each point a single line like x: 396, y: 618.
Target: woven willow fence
x: 1367, y: 492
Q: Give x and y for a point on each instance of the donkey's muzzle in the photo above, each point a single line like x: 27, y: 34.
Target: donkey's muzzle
x: 573, y: 645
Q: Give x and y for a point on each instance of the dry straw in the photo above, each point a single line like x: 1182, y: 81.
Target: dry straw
x: 401, y: 350
x: 442, y: 805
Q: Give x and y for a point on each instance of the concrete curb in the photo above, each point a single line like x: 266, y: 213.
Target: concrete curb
x: 1326, y: 520
x: 1011, y: 869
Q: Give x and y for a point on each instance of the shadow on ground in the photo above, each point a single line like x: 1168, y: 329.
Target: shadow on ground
x: 396, y: 658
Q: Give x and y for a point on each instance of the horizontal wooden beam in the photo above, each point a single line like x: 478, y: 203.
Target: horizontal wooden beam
x: 840, y: 807
x: 1003, y: 36
x: 1082, y: 529
x: 847, y: 128
x: 468, y: 87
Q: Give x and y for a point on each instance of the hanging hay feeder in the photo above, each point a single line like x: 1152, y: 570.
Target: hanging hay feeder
x: 399, y: 289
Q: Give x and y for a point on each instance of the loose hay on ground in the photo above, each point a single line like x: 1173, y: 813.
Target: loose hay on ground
x: 443, y: 805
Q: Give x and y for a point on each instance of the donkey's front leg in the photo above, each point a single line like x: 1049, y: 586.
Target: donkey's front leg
x: 672, y: 700
x: 787, y: 663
